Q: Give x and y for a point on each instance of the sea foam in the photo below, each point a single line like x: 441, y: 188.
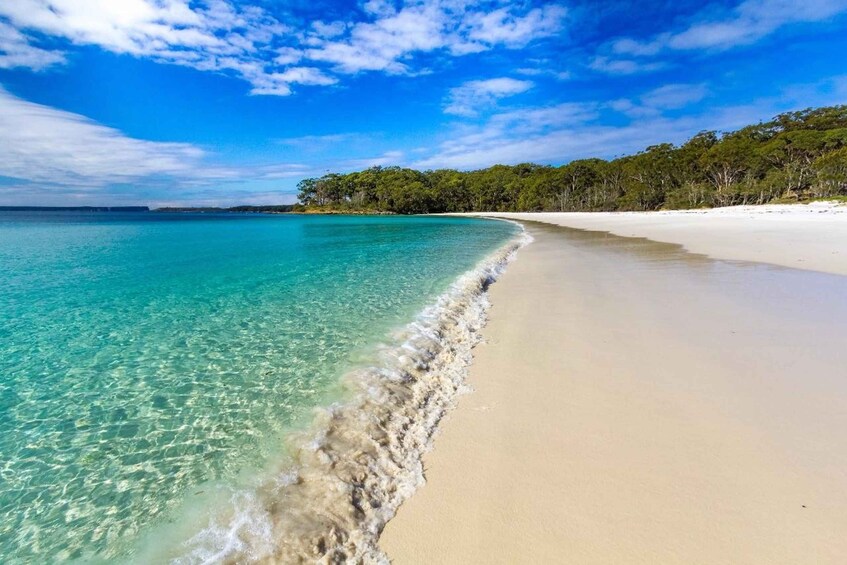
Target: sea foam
x: 360, y: 459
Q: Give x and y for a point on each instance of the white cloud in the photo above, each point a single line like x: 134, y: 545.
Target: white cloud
x: 629, y: 108
x: 544, y: 118
x: 423, y: 26
x: 530, y: 134
x: 17, y: 51
x: 287, y: 56
x: 146, y: 27
x: 218, y: 35
x: 467, y: 99
x: 48, y: 146
x: 752, y: 20
x: 659, y: 100
x: 320, y: 141
x: 747, y: 23
x: 53, y: 156
x: 387, y: 159
x: 379, y: 45
x: 379, y: 7
x: 212, y: 36
x: 558, y: 134
x: 211, y: 197
x: 535, y: 72
x: 503, y: 26
x: 544, y: 143
x: 631, y: 47
x: 674, y: 96
x: 285, y: 171
x: 615, y: 66
x: 280, y: 83
x: 329, y: 30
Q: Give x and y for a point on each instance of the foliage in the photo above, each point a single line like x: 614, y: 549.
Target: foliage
x: 795, y: 156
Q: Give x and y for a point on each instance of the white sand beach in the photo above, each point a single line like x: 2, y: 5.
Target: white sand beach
x: 804, y: 236
x: 637, y: 403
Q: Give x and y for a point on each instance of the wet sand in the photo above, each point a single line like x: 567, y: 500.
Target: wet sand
x: 635, y: 403
x: 803, y: 236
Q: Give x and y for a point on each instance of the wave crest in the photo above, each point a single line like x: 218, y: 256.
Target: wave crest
x: 361, y: 459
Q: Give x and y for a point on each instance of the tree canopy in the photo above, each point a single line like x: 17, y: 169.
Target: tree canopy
x: 796, y: 155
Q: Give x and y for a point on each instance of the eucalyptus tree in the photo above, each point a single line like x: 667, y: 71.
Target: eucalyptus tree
x: 795, y: 155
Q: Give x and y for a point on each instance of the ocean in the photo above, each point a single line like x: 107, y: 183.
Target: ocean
x: 193, y: 388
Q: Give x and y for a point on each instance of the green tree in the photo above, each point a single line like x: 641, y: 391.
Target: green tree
x: 574, y: 183
x: 648, y: 177
x: 831, y: 174
x: 798, y: 154
x: 450, y: 192
x: 307, y: 191
x: 727, y: 165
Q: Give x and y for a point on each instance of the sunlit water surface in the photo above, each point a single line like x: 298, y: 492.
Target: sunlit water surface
x: 143, y: 355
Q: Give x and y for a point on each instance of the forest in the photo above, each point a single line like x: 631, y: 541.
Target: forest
x: 796, y: 156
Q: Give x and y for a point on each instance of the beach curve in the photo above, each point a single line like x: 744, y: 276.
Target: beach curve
x: 361, y: 459
x: 637, y: 403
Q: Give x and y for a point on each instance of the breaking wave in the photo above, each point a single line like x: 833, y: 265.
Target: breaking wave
x: 362, y: 458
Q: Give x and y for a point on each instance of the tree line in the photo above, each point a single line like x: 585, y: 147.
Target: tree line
x: 793, y: 157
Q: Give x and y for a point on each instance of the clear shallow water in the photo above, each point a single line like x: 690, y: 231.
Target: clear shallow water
x: 142, y: 355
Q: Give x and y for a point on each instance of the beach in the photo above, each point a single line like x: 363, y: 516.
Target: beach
x: 811, y: 236
x: 669, y: 394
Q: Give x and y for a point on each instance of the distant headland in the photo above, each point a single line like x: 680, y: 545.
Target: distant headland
x: 270, y: 209
x: 74, y: 209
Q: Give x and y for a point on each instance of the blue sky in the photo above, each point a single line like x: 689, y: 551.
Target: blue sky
x: 223, y: 102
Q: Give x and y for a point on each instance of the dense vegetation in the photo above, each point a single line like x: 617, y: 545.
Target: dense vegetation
x: 796, y: 156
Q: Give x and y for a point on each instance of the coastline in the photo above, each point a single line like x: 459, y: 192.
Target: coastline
x: 638, y: 403
x: 802, y: 236
x: 361, y: 457
x: 288, y: 366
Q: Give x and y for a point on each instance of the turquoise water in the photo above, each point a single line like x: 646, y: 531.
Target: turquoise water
x: 142, y: 355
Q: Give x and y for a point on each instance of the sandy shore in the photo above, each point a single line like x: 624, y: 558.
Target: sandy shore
x: 812, y: 236
x: 635, y: 403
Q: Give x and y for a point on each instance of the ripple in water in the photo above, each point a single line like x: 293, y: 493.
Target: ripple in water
x: 144, y: 357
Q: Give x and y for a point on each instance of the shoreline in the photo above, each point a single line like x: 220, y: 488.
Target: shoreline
x: 361, y: 458
x: 697, y: 423
x: 803, y: 236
